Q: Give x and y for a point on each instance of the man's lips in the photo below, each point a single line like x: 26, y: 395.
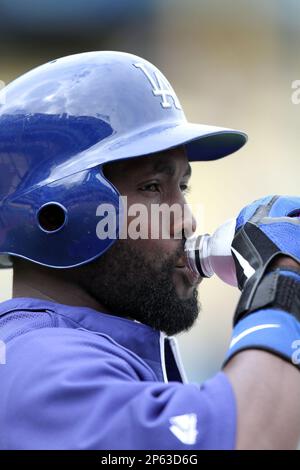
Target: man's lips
x: 181, y: 263
x: 192, y: 277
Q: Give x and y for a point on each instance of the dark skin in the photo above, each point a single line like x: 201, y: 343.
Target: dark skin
x: 145, y: 186
x: 138, y: 175
x: 152, y: 282
x: 267, y: 389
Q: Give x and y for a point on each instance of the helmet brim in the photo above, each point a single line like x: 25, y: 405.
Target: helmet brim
x: 203, y: 143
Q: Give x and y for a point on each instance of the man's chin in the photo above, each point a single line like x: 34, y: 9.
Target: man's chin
x: 130, y: 286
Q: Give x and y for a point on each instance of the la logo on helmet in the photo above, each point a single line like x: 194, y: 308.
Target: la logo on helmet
x: 160, y: 87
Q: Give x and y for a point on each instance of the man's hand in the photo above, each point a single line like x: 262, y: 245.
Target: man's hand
x: 282, y: 261
x: 260, y: 362
x: 267, y: 229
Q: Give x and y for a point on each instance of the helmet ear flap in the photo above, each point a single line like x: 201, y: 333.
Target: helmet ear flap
x: 56, y: 225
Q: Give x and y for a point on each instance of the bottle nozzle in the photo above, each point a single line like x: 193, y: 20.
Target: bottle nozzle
x: 197, y: 255
x: 211, y: 254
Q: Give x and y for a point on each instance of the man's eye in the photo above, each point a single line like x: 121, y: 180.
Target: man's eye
x: 185, y: 188
x: 152, y: 187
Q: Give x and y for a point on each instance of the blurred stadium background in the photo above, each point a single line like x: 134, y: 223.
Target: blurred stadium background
x: 232, y: 64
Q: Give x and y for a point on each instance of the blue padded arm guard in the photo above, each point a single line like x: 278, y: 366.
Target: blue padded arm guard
x: 272, y: 320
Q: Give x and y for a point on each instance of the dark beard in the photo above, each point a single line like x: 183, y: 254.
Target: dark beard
x: 130, y: 285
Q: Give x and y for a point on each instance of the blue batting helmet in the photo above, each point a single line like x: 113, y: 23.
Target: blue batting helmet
x: 59, y: 123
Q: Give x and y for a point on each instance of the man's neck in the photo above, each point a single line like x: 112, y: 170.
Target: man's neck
x: 41, y: 283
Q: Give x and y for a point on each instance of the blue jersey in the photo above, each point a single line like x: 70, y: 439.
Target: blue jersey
x: 76, y: 378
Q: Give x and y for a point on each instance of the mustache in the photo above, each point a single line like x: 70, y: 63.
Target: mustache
x: 178, y: 255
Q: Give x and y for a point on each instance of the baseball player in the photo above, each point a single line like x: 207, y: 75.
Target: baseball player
x: 91, y: 361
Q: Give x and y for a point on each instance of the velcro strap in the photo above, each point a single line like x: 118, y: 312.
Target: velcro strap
x: 275, y: 290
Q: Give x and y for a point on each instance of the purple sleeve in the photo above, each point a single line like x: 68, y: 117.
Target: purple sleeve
x: 62, y: 389
x: 221, y: 413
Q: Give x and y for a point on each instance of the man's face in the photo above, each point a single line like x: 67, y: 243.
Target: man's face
x: 141, y: 278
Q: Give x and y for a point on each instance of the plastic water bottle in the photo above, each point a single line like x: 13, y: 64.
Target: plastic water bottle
x: 211, y: 254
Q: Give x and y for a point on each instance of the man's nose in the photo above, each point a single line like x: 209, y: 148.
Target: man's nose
x: 185, y: 225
